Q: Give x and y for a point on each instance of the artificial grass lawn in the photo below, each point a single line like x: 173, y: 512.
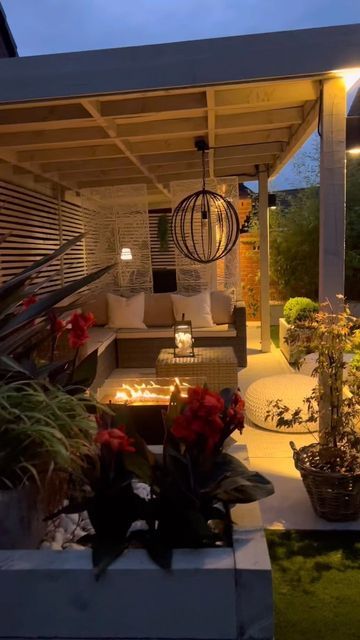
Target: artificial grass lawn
x: 316, y: 582
x: 274, y: 335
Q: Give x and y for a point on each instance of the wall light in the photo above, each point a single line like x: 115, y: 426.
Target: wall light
x: 272, y: 200
x: 125, y: 254
x: 351, y: 76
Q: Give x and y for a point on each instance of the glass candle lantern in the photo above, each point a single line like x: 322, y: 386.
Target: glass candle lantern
x: 183, y: 339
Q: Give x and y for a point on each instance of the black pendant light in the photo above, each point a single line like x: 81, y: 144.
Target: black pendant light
x: 205, y: 225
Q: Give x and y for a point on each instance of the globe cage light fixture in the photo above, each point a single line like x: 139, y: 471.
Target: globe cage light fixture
x: 205, y: 226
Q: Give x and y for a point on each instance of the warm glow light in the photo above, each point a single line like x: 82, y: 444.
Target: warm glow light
x: 351, y: 76
x: 126, y: 254
x: 149, y: 392
x: 355, y: 151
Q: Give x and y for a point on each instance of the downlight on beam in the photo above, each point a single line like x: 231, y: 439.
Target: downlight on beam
x: 350, y: 76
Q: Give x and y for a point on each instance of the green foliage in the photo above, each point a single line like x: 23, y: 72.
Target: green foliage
x: 294, y: 239
x: 163, y: 232
x: 294, y: 246
x: 299, y: 309
x: 22, y: 329
x: 355, y: 362
x: 329, y: 334
x: 46, y: 435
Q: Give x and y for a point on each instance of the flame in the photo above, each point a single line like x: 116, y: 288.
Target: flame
x: 148, y: 392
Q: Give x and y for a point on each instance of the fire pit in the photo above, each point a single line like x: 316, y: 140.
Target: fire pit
x: 141, y: 401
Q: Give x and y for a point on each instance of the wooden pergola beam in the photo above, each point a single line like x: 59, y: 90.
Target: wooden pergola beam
x: 106, y: 149
x: 210, y: 99
x: 111, y: 131
x: 298, y: 138
x: 332, y: 193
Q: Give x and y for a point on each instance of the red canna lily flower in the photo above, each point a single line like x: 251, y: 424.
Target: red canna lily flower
x: 29, y: 301
x: 80, y: 323
x: 201, y: 420
x: 116, y: 439
x: 236, y: 412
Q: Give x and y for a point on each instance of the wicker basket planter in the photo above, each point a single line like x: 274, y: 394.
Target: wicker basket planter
x: 334, y: 496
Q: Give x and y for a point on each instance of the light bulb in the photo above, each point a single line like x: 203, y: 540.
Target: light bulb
x: 126, y: 254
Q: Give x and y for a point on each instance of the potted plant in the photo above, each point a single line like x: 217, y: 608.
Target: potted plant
x: 179, y: 499
x: 295, y: 309
x: 163, y: 231
x: 47, y: 440
x: 42, y: 407
x: 330, y: 467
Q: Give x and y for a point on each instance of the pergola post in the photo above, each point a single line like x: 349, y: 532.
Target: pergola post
x: 332, y: 191
x: 264, y: 260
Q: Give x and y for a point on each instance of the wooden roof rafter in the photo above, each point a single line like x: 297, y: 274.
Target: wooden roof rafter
x: 139, y: 124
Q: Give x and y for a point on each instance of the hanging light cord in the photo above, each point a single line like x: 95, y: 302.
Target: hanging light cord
x: 203, y: 169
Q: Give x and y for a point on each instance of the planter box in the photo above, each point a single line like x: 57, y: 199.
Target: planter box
x: 289, y: 351
x: 285, y: 348
x: 276, y: 312
x: 218, y: 593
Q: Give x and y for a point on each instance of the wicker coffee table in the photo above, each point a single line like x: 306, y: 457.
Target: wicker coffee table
x: 217, y: 366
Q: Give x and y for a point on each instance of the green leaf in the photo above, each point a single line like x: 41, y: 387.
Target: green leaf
x: 18, y: 281
x: 85, y: 372
x: 25, y: 338
x: 104, y: 554
x: 8, y: 364
x: 231, y: 481
x: 159, y: 551
x: 87, y: 540
x: 48, y: 302
x: 138, y: 465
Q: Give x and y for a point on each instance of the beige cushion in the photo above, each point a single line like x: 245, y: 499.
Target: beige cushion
x: 98, y: 306
x: 158, y: 310
x: 221, y: 307
x: 195, y: 308
x: 126, y: 313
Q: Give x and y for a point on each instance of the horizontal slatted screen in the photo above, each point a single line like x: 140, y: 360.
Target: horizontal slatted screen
x: 161, y: 259
x: 71, y: 221
x: 37, y: 224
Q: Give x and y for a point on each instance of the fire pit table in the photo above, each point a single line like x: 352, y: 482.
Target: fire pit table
x: 141, y: 402
x: 216, y: 365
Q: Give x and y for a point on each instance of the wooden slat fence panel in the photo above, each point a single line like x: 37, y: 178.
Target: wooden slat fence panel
x: 38, y: 224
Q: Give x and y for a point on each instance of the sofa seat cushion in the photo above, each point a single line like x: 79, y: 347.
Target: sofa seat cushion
x: 97, y: 304
x: 100, y: 338
x: 223, y: 330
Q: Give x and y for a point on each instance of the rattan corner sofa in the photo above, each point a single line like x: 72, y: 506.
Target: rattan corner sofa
x: 139, y: 348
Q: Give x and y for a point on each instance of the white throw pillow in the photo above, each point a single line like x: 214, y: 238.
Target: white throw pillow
x: 195, y: 308
x: 126, y: 313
